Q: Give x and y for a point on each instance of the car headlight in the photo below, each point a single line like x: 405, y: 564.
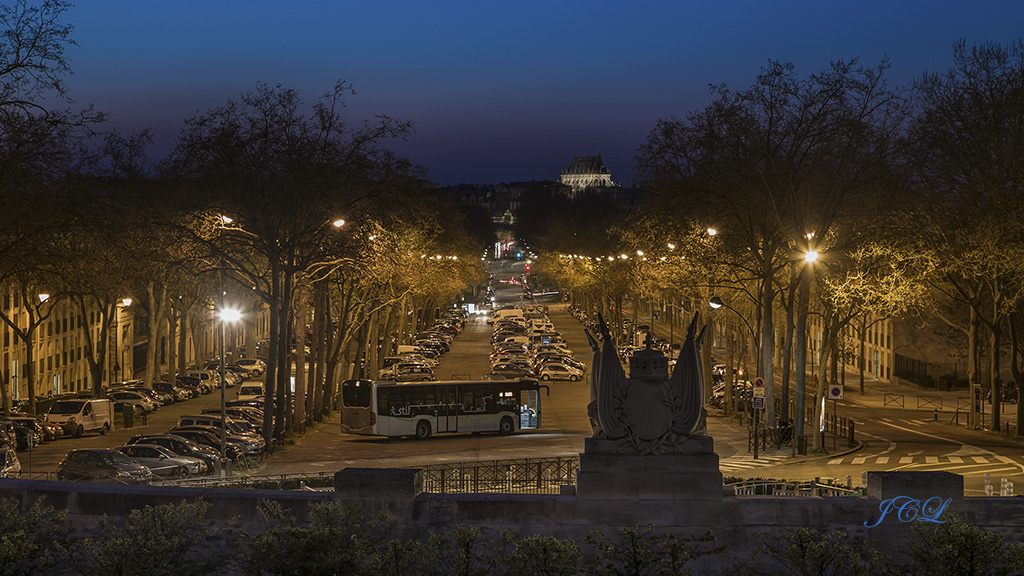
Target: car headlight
x: 123, y: 474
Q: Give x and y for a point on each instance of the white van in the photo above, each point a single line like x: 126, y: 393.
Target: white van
x: 79, y: 416
x: 251, y: 392
x: 208, y: 378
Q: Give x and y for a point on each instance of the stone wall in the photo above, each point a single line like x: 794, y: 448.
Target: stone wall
x: 737, y: 521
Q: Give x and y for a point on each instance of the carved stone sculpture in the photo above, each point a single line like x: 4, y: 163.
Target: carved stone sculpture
x: 650, y: 412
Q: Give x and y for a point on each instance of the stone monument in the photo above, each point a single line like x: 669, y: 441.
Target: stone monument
x: 650, y: 437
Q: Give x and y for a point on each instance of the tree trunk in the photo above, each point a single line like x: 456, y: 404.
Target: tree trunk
x: 156, y: 298
x: 281, y: 408
x: 301, y: 308
x: 787, y: 358
x: 800, y: 351
x: 1015, y: 369
x: 270, y: 379
x: 768, y: 341
x: 172, y: 343
x: 996, y: 383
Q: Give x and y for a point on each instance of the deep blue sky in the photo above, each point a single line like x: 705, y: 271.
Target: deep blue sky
x: 498, y: 91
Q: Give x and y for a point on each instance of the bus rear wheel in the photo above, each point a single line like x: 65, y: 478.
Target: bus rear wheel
x: 506, y: 426
x: 422, y: 430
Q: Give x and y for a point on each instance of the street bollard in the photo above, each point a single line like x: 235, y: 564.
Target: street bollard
x: 988, y: 484
x: 864, y: 481
x: 849, y: 481
x: 936, y: 414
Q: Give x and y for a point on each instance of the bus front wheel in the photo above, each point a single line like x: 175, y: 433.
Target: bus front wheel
x: 506, y: 426
x: 422, y: 430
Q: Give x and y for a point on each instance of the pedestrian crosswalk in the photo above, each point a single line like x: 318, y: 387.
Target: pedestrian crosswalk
x: 747, y: 462
x: 917, y: 459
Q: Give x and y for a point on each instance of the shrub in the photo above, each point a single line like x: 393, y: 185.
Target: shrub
x: 462, y: 551
x: 167, y: 540
x: 956, y: 548
x: 804, y: 552
x: 543, y: 556
x: 338, y: 539
x: 32, y: 542
x: 642, y: 552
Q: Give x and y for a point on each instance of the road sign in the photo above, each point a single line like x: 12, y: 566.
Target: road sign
x: 758, y: 392
x: 758, y: 402
x: 759, y: 382
x: 835, y: 392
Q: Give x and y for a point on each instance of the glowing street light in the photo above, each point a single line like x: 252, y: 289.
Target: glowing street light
x: 811, y: 256
x: 226, y: 315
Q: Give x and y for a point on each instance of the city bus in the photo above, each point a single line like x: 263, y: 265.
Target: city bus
x: 419, y: 409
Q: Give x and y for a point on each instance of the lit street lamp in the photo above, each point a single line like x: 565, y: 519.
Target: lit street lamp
x: 226, y: 315
x: 717, y: 303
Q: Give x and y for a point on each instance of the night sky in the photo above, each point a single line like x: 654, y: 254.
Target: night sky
x: 498, y: 91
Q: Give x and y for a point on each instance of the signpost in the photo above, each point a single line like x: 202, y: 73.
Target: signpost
x: 835, y: 392
x: 758, y: 406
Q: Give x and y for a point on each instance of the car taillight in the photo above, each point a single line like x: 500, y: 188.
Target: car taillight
x: 373, y: 418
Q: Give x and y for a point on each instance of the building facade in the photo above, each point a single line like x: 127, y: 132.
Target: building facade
x: 587, y: 172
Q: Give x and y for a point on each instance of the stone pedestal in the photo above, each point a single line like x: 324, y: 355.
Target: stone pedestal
x: 692, y: 474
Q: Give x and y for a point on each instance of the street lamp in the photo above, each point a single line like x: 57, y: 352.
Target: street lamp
x: 119, y: 338
x: 717, y: 303
x: 226, y: 315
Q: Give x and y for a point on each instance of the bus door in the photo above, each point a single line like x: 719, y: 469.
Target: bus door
x: 447, y: 409
x: 529, y: 409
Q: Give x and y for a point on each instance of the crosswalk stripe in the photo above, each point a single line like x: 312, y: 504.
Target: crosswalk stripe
x: 980, y: 459
x: 836, y: 461
x: 859, y: 460
x: 907, y: 460
x: 931, y: 459
x: 956, y: 460
x: 882, y: 460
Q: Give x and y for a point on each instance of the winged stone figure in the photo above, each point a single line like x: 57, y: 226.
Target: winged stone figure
x: 648, y: 412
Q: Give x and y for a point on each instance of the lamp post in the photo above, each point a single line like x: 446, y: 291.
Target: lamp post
x: 226, y: 315
x: 717, y: 303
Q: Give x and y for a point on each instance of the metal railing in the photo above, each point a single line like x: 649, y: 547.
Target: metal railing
x: 528, y: 476
x: 785, y: 488
x: 929, y: 402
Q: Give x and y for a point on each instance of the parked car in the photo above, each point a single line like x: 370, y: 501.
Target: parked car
x: 253, y: 402
x: 127, y: 397
x: 48, y: 430
x: 556, y: 371
x: 25, y: 436
x: 407, y: 372
x: 246, y: 445
x: 82, y: 415
x: 102, y: 465
x: 163, y: 462
x: 210, y: 437
x: 10, y: 466
x: 257, y: 366
x: 182, y: 446
x: 177, y: 393
x: 511, y: 370
x: 209, y: 378
x: 251, y: 416
x: 195, y: 386
x: 250, y: 391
